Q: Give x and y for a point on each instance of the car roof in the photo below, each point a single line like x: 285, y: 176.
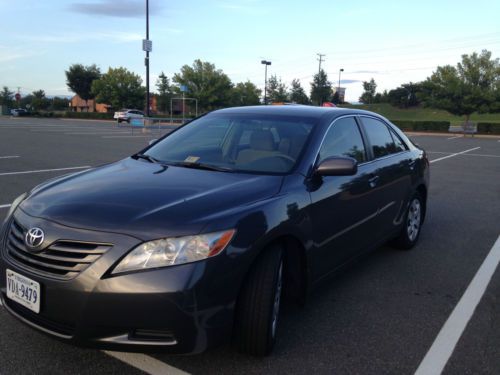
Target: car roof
x: 295, y: 110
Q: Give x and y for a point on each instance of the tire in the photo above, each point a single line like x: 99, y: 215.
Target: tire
x: 128, y: 120
x: 412, y: 224
x: 119, y: 121
x: 258, y: 304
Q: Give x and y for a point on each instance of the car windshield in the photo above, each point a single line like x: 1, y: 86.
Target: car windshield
x: 243, y: 143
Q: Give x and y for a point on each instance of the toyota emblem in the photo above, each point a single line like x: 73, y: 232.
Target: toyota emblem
x: 34, y: 238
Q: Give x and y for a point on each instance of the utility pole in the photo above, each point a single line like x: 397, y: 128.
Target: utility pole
x: 321, y: 56
x: 320, y: 59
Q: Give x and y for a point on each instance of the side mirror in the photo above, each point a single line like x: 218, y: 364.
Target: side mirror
x: 337, y: 166
x: 153, y: 141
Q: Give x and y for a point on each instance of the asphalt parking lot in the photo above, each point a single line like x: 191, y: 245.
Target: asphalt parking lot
x: 380, y: 316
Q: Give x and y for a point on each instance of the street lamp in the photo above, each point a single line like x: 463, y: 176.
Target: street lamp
x: 266, y: 63
x: 338, y: 88
x: 147, y: 46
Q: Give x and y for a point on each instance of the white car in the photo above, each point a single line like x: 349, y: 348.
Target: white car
x: 18, y: 112
x: 128, y: 114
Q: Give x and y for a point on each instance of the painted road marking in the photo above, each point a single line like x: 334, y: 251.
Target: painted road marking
x: 9, y: 157
x: 98, y: 133
x: 146, y: 363
x: 449, y: 153
x: 128, y: 136
x: 44, y: 170
x: 5, y: 205
x: 443, y: 346
x: 455, y: 154
x: 455, y: 137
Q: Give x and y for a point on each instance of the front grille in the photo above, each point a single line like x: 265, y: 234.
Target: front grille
x: 62, y: 328
x: 63, y: 259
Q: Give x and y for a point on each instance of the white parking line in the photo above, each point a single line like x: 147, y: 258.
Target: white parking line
x: 146, y: 363
x: 5, y: 205
x: 455, y: 154
x: 449, y: 153
x: 455, y: 137
x: 9, y: 157
x: 443, y: 346
x: 44, y: 170
x: 128, y: 136
x: 99, y: 133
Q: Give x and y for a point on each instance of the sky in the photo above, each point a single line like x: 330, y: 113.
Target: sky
x: 394, y: 42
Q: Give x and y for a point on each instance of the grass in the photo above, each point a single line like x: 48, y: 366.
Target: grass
x: 423, y: 114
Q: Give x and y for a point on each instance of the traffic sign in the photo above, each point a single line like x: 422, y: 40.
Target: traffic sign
x: 147, y: 45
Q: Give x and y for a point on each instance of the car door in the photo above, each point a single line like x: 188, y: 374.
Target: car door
x: 343, y: 210
x: 393, y: 168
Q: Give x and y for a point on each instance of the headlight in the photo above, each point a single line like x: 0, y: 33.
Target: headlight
x: 170, y: 251
x: 14, y: 205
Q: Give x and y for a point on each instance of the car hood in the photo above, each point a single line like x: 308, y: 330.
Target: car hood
x: 146, y: 200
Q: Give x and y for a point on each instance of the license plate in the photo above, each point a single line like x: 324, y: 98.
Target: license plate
x: 23, y: 290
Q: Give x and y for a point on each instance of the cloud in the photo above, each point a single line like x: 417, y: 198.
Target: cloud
x: 349, y: 81
x: 366, y: 72
x: 244, y: 6
x: 12, y: 53
x: 113, y: 37
x: 114, y: 8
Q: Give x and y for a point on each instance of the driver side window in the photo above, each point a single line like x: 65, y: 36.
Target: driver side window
x: 343, y: 139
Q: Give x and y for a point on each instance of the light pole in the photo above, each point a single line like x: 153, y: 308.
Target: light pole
x: 147, y: 46
x: 266, y: 63
x: 338, y: 88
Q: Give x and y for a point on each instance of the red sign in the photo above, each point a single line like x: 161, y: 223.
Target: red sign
x: 17, y: 96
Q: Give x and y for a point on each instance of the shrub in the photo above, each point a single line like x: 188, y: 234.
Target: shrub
x: 437, y: 126
x: 488, y: 127
x: 89, y: 115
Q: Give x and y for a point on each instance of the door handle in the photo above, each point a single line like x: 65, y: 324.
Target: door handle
x: 373, y: 181
x: 411, y: 164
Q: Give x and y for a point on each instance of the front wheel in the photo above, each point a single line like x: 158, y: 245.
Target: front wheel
x: 259, y: 304
x: 412, y: 224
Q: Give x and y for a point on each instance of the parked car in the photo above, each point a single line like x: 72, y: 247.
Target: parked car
x: 127, y: 115
x: 18, y: 112
x: 196, y: 238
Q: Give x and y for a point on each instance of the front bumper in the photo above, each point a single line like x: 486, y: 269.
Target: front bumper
x: 179, y: 309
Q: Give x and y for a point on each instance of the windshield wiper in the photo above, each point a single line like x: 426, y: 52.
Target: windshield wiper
x: 208, y: 167
x: 148, y: 158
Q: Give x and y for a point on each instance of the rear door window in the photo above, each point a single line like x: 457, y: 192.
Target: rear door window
x: 380, y: 138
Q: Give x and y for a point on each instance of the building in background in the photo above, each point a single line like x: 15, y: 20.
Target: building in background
x: 77, y: 104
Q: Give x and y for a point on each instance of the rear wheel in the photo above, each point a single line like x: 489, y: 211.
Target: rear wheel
x: 410, y: 230
x: 259, y: 304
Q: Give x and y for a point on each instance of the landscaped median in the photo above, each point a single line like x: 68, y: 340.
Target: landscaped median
x: 443, y: 126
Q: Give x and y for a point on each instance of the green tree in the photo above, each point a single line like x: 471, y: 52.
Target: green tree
x: 165, y: 93
x: 79, y: 79
x: 321, y: 88
x: 297, y: 93
x: 211, y: 86
x: 473, y: 85
x: 6, y: 97
x: 26, y: 101
x: 369, y: 87
x: 406, y: 95
x: 276, y: 90
x: 120, y: 88
x: 245, y: 93
x: 59, y: 104
x: 39, y: 101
